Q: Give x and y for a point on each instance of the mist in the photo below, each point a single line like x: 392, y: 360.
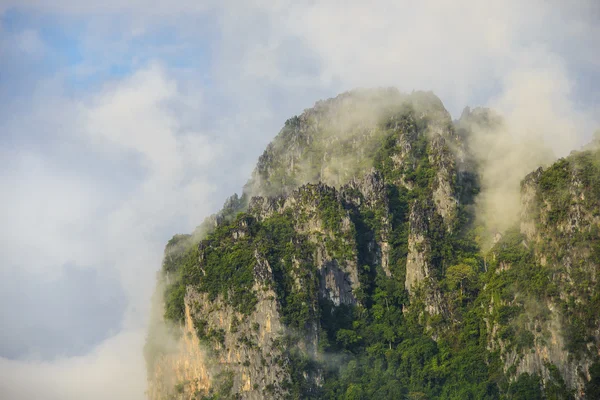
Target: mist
x: 529, y: 125
x: 123, y: 124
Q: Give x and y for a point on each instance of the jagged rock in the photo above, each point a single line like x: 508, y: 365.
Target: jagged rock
x: 419, y: 248
x: 444, y: 197
x: 361, y: 206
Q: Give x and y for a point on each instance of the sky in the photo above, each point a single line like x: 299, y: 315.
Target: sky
x: 125, y: 122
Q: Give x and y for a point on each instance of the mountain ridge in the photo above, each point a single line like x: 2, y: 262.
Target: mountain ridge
x: 357, y: 238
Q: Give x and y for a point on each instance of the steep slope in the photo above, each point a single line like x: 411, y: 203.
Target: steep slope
x: 351, y: 268
x: 546, y: 294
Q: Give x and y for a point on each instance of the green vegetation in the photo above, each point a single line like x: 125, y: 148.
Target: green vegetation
x: 450, y: 339
x: 226, y: 270
x: 387, y: 353
x: 568, y: 200
x: 207, y: 334
x: 174, y: 308
x: 592, y: 389
x: 527, y: 387
x: 180, y: 387
x: 290, y: 257
x: 229, y: 256
x: 221, y: 389
x: 555, y: 388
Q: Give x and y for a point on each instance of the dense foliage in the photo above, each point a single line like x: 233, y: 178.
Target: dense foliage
x: 387, y: 352
x: 390, y: 345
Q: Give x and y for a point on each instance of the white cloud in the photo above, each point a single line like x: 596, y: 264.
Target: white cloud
x: 538, y: 105
x: 456, y: 48
x: 131, y: 117
x: 56, y: 214
x: 42, y: 209
x: 113, y: 370
x: 139, y: 7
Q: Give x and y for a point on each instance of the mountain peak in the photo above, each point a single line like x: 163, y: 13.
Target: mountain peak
x: 360, y: 239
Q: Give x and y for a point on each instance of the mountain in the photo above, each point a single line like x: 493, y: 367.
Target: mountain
x: 358, y: 264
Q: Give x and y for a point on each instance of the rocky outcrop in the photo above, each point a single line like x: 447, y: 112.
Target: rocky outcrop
x: 370, y: 193
x: 357, y: 234
x: 185, y: 372
x: 443, y: 162
x: 559, y: 221
x: 327, y: 143
x: 222, y: 351
x: 248, y: 348
x: 529, y: 192
x: 338, y: 275
x: 334, y: 141
x: 419, y: 248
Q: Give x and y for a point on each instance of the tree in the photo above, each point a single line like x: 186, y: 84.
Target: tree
x: 527, y: 387
x: 355, y: 392
x: 461, y: 275
x: 592, y: 388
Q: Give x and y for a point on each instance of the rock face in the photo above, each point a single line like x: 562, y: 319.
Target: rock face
x: 560, y: 220
x: 245, y: 347
x: 417, y: 265
x: 331, y: 143
x: 356, y: 238
x: 369, y: 193
x: 184, y: 371
x: 559, y: 233
x: 247, y: 344
x: 222, y: 351
x: 338, y: 276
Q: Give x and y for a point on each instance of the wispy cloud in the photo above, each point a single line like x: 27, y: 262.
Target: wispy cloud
x: 58, y: 214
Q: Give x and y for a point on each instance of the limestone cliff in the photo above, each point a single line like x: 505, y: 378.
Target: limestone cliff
x: 559, y: 227
x: 352, y: 267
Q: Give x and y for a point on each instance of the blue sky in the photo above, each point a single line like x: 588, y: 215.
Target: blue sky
x: 123, y: 123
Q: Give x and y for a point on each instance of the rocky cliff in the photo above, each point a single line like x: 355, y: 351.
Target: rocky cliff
x: 352, y: 267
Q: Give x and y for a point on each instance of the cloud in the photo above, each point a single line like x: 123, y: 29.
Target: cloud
x: 139, y: 7
x: 79, y: 308
x: 459, y: 49
x: 111, y: 371
x: 43, y: 207
x: 539, y: 105
x: 541, y: 121
x: 498, y: 54
x: 80, y: 251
